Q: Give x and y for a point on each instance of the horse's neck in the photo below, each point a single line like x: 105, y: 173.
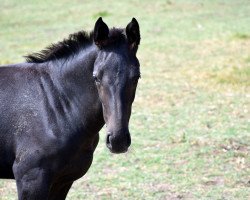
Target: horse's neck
x: 75, y: 80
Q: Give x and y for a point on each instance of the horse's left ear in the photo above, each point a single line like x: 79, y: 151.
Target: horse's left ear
x: 133, y: 34
x: 101, y: 33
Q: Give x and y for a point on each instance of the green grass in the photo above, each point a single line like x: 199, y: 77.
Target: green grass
x: 191, y: 118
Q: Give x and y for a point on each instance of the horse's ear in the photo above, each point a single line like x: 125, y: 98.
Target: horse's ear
x: 101, y: 33
x: 133, y: 34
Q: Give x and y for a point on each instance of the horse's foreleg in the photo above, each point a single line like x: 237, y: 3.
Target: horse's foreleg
x: 34, y: 184
x: 59, y: 191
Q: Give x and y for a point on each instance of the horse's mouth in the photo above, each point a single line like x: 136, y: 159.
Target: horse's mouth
x: 117, y: 151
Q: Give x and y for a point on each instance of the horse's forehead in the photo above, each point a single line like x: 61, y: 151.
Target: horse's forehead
x: 116, y: 56
x: 119, y: 63
x: 115, y: 60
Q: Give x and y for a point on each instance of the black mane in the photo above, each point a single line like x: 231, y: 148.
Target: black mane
x: 70, y: 46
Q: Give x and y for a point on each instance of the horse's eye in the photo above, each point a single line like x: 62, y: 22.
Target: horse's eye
x: 96, y: 79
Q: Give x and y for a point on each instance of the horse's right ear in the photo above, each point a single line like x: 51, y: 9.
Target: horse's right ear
x: 101, y: 33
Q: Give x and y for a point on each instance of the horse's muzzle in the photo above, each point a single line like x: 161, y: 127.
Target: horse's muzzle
x: 118, y: 143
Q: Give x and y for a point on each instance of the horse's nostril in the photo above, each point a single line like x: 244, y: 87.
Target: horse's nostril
x: 108, y: 139
x: 118, y: 143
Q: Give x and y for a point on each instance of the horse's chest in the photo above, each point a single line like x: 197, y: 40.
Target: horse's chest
x: 76, y: 166
x: 76, y: 161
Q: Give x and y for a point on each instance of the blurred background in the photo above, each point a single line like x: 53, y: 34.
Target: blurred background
x: 190, y: 124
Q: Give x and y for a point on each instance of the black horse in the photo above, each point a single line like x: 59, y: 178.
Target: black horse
x: 53, y: 106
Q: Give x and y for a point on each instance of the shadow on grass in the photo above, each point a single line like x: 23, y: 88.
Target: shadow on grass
x: 233, y: 75
x: 103, y: 13
x: 242, y: 36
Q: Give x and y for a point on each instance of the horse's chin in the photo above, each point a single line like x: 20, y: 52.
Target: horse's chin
x: 116, y: 151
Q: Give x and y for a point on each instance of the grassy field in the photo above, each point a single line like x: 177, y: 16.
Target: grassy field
x: 191, y: 118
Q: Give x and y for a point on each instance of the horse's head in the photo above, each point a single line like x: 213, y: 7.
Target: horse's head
x: 116, y: 73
